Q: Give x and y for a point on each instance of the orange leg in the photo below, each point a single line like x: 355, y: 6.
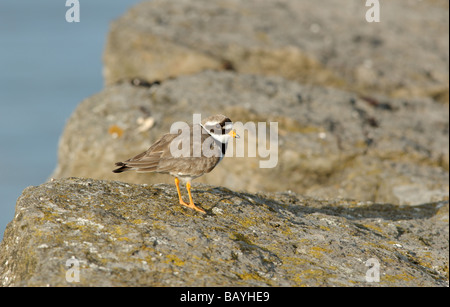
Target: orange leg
x: 191, y: 202
x: 177, y: 183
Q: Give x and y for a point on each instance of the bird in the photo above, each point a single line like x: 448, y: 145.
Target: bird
x: 203, y: 147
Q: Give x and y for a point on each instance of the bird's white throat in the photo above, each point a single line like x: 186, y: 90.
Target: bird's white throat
x: 222, y: 138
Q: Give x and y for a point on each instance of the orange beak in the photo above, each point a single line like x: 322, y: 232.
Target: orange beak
x: 233, y: 134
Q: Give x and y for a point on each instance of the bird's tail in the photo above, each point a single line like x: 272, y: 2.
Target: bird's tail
x: 123, y: 167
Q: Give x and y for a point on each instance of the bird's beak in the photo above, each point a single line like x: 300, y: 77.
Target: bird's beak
x: 233, y: 134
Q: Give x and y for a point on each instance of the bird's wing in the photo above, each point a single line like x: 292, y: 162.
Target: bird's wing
x: 149, y: 160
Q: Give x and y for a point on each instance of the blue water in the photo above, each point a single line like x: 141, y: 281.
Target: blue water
x: 47, y: 67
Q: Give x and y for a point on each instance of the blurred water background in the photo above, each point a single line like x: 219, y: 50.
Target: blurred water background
x: 47, y: 67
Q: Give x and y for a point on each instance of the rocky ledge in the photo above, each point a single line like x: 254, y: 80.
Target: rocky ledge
x: 86, y: 232
x: 361, y: 114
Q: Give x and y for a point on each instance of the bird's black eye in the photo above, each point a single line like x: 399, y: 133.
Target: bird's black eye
x: 211, y: 130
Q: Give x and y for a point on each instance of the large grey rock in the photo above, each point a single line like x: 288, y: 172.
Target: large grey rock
x: 325, y: 42
x: 331, y: 143
x: 111, y: 233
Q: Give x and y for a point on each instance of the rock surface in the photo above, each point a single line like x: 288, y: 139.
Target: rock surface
x: 404, y: 55
x: 123, y: 234
x: 331, y: 143
x: 385, y: 140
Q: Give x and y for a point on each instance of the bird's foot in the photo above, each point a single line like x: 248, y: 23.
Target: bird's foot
x: 192, y: 206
